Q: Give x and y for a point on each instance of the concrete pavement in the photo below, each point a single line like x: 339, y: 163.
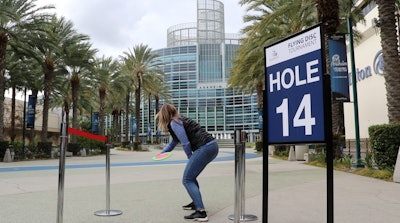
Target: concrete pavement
x: 148, y: 191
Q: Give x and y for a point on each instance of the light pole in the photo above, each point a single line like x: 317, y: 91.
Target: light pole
x: 355, y: 97
x: 24, y: 126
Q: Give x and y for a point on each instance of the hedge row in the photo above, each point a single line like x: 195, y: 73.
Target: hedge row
x: 385, y: 142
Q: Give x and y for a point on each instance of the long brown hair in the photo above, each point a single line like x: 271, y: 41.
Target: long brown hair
x: 166, y: 114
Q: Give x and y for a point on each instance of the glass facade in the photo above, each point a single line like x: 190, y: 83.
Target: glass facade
x: 197, y: 69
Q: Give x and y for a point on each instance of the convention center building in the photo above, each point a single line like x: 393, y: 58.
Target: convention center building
x: 371, y: 90
x: 196, y: 63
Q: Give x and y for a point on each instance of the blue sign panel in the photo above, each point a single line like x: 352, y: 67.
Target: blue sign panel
x: 260, y: 119
x: 133, y: 126
x: 31, y: 112
x: 149, y: 129
x: 95, y: 123
x: 294, y: 89
x: 339, y: 71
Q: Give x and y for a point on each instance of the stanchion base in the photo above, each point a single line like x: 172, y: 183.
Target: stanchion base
x: 108, y: 213
x: 246, y: 217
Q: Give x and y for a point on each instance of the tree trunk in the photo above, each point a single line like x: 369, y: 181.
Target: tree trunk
x: 75, y: 99
x: 328, y: 15
x: 127, y: 102
x: 3, y: 46
x: 119, y: 130
x: 12, y: 129
x: 48, y: 81
x: 391, y: 61
x: 149, y: 119
x: 102, y: 95
x: 260, y: 101
x: 137, y: 112
x: 66, y: 111
x: 157, y: 105
x: 32, y: 131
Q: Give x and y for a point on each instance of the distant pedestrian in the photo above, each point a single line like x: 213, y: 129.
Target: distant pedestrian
x: 200, y: 147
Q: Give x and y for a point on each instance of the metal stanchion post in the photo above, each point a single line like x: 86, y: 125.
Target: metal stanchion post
x: 239, y: 215
x: 108, y: 212
x: 61, y: 172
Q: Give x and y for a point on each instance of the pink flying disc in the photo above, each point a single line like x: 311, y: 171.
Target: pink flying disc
x: 162, y: 156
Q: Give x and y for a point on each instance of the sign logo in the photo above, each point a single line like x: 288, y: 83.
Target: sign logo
x: 378, y: 63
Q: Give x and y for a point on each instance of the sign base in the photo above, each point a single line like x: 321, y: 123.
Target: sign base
x: 108, y: 213
x: 244, y: 218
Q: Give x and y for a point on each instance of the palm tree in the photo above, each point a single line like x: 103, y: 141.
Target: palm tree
x: 391, y: 61
x: 89, y: 97
x: 156, y: 88
x: 17, y: 18
x: 115, y: 104
x: 78, y: 58
x: 18, y: 66
x: 276, y: 20
x: 61, y: 97
x: 139, y: 63
x: 126, y: 78
x: 58, y: 33
x: 246, y: 63
x: 127, y: 112
x: 273, y: 21
x: 33, y: 83
x: 106, y: 70
x: 112, y: 87
x: 328, y: 15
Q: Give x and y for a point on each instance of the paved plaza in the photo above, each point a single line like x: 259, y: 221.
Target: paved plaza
x: 149, y: 191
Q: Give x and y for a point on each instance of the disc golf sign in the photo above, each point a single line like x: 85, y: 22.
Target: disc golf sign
x: 294, y: 89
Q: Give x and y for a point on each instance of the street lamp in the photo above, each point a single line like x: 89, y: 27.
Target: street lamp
x: 355, y: 97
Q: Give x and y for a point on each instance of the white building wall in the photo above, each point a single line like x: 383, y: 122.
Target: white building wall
x: 371, y: 90
x: 53, y: 122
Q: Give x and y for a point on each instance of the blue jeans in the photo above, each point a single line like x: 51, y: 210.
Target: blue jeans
x: 196, y: 164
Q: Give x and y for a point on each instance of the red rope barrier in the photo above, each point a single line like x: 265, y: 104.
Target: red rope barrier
x: 87, y: 135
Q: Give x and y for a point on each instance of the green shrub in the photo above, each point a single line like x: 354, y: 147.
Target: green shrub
x: 137, y: 146
x: 320, y: 157
x: 385, y: 142
x: 75, y: 148
x: 259, y: 146
x: 116, y: 144
x: 102, y: 146
x: 378, y: 174
x: 281, y: 150
x: 30, y: 151
x: 369, y: 162
x: 43, y: 150
x: 125, y: 144
x: 343, y: 163
x: 3, y: 148
x: 18, y: 150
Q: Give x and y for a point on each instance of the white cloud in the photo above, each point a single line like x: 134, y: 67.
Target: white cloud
x: 116, y: 26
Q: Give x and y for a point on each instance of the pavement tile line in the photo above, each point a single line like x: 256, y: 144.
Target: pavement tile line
x: 227, y: 157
